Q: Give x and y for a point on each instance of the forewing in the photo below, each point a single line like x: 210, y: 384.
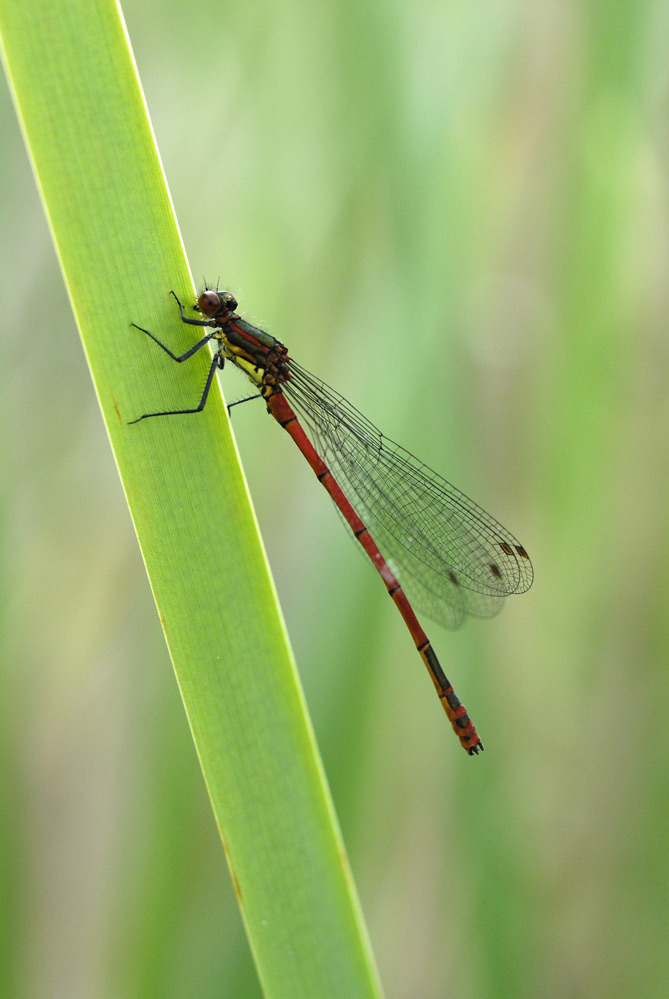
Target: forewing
x: 451, y: 557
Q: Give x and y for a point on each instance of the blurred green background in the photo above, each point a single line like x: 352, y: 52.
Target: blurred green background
x: 457, y: 214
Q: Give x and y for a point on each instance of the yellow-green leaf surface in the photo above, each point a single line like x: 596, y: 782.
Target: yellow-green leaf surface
x: 89, y: 138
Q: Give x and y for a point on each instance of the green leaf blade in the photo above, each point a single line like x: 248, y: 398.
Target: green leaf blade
x: 83, y: 115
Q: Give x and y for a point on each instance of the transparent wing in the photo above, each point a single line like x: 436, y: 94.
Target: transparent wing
x: 452, y: 558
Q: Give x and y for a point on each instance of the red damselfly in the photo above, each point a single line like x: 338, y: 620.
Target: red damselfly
x: 453, y: 558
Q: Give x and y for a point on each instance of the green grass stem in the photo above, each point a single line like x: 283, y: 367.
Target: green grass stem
x: 81, y: 108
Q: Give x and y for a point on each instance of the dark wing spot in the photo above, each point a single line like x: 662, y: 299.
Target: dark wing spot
x: 495, y: 570
x: 521, y: 551
x: 505, y: 548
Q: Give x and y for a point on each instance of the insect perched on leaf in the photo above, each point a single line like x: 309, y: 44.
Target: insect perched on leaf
x: 453, y: 558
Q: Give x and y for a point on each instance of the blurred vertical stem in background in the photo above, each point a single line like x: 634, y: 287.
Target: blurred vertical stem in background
x: 80, y: 105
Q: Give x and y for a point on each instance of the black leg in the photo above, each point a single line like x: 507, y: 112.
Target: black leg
x: 240, y: 401
x: 182, y: 357
x: 185, y: 319
x: 181, y: 412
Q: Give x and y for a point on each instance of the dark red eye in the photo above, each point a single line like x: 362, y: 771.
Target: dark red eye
x: 208, y: 303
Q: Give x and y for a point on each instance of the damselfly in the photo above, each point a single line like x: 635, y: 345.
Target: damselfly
x: 453, y: 558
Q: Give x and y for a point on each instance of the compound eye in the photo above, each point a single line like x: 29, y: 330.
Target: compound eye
x: 208, y: 303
